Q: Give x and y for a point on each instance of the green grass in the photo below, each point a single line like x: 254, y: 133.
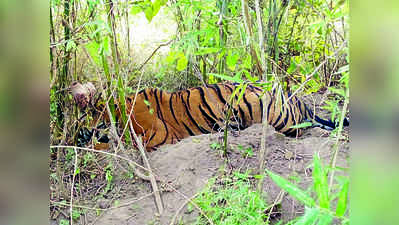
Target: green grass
x: 233, y: 199
x: 232, y: 202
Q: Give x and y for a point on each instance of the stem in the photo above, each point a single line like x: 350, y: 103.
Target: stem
x: 263, y: 150
x: 336, y: 149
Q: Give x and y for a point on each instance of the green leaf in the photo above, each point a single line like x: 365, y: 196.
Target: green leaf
x: 182, y: 63
x: 77, y: 171
x: 342, y: 199
x: 93, y: 47
x: 320, y: 183
x: 231, y: 60
x: 309, y: 217
x: 292, y: 66
x: 229, y: 78
x: 149, y: 14
x: 247, y: 62
x: 147, y: 103
x: 302, y: 125
x: 337, y: 91
x: 291, y: 189
x: 325, y: 219
x: 342, y: 69
x: 253, y: 79
x: 171, y: 57
x: 243, y: 88
x: 105, y: 47
x: 136, y: 8
x: 155, y: 7
x: 206, y: 50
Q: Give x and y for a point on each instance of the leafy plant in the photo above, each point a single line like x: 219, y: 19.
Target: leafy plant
x: 318, y: 209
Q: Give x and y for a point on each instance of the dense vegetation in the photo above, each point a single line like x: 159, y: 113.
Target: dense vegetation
x: 298, y: 45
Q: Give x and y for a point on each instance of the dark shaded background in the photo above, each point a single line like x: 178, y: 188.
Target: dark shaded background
x: 24, y: 111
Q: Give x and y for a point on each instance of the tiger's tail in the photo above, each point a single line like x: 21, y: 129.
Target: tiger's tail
x: 322, y: 123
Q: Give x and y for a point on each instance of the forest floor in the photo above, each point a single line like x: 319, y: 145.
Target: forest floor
x: 188, y: 166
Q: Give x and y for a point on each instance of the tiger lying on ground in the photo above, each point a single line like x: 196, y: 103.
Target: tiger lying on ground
x: 166, y: 118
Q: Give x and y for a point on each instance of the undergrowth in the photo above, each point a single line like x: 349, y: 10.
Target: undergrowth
x: 234, y: 200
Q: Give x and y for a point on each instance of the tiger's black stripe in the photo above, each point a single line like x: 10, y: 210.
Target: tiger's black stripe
x: 218, y: 93
x: 171, y: 107
x: 249, y: 107
x: 202, y: 94
x: 202, y: 130
x: 210, y: 121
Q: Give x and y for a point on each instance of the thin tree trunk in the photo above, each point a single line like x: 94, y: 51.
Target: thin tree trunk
x: 248, y: 28
x: 263, y: 150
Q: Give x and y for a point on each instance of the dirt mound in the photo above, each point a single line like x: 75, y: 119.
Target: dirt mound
x: 188, y: 165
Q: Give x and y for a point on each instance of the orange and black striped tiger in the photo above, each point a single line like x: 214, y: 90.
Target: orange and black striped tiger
x: 164, y: 118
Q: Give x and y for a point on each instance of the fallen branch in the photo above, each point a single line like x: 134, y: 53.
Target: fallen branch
x: 151, y: 176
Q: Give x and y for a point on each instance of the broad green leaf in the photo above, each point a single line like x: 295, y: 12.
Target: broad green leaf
x: 292, y: 66
x: 171, y: 57
x: 225, y: 77
x: 105, y: 47
x: 231, y: 60
x: 181, y: 63
x: 291, y: 189
x: 302, y: 125
x: 310, y: 216
x: 149, y: 14
x: 136, y: 8
x: 342, y: 199
x: 320, y: 183
x: 247, y: 62
x: 156, y: 6
x: 93, y: 47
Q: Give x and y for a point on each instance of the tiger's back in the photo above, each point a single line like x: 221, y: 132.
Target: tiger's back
x: 165, y: 118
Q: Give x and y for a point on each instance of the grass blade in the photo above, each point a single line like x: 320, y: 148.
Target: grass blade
x: 325, y: 219
x: 320, y: 183
x: 292, y: 189
x: 310, y: 216
x: 342, y: 199
x: 302, y: 125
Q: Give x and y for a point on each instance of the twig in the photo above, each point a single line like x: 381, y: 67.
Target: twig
x: 154, y: 185
x: 73, y: 184
x: 153, y: 53
x: 263, y: 150
x: 181, y: 207
x: 133, y: 164
x: 276, y: 201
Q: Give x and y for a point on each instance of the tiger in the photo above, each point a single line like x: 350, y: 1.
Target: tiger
x: 162, y: 117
